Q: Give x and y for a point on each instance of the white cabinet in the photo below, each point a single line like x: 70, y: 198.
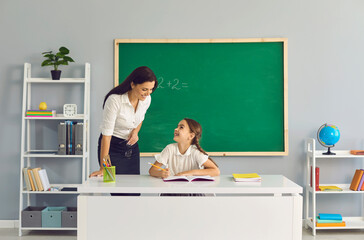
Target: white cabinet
x: 31, y: 157
x: 313, y: 156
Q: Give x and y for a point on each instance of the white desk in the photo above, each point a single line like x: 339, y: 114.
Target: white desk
x: 270, y: 210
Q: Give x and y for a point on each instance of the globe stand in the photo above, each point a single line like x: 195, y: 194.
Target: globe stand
x: 328, y: 152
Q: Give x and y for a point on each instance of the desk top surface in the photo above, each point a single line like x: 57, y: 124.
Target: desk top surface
x: 271, y: 184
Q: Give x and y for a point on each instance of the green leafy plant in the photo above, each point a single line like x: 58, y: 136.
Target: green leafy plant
x: 57, y: 59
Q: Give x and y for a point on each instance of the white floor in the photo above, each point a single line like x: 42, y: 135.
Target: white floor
x: 12, y: 234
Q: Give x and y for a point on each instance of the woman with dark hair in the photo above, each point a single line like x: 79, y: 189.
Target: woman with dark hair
x: 124, y: 110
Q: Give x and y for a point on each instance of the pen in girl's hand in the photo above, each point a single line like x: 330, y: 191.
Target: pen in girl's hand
x: 156, y: 166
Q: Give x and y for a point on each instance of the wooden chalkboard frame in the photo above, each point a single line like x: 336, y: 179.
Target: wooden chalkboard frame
x: 284, y: 41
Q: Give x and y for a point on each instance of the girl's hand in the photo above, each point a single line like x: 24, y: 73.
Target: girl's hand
x: 133, y: 137
x: 165, y: 174
x: 98, y: 173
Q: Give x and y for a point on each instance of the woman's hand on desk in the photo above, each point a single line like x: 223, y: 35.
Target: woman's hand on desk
x: 98, y: 173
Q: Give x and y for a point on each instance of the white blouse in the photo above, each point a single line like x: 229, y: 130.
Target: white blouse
x: 119, y: 117
x: 177, y: 162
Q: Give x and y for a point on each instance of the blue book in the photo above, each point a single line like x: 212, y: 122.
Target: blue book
x: 327, y: 221
x: 330, y: 216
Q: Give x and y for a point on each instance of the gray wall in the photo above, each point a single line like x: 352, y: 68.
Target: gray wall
x: 325, y: 72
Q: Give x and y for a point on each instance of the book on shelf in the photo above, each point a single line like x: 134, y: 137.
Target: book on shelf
x: 188, y: 178
x: 69, y: 189
x: 330, y: 216
x: 70, y: 138
x: 26, y: 179
x: 330, y: 188
x: 40, y: 113
x: 326, y: 221
x: 339, y: 224
x: 356, y: 179
x: 360, y: 186
x: 36, y: 179
x: 78, y: 139
x: 357, y: 152
x: 246, y: 177
x: 317, y: 178
x: 33, y: 180
x: 30, y: 179
x: 44, y: 179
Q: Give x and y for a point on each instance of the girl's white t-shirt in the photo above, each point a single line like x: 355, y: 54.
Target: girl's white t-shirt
x: 177, y: 162
x: 119, y: 116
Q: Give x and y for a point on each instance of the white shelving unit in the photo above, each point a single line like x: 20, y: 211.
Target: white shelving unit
x: 311, y: 194
x: 27, y: 153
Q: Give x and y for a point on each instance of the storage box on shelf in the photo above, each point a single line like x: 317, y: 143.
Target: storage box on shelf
x: 29, y: 217
x: 32, y: 217
x: 52, y: 217
x: 313, y: 156
x: 69, y: 217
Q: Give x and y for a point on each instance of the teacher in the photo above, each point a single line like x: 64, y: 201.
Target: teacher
x: 124, y: 109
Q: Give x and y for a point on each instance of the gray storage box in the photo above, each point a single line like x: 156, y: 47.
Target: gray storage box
x: 69, y: 217
x: 32, y: 217
x: 52, y: 217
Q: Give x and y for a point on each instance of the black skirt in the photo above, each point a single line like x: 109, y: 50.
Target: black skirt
x: 125, y: 158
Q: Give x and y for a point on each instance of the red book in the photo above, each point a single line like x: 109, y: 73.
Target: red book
x: 317, y: 178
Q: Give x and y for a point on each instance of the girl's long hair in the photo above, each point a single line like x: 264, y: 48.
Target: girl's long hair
x: 196, y: 128
x: 138, y: 76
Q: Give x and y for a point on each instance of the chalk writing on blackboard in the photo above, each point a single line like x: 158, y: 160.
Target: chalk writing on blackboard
x: 175, y: 84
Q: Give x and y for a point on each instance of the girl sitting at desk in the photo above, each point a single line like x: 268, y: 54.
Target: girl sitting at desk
x: 186, y: 157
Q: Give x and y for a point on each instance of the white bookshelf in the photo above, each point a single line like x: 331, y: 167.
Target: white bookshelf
x: 29, y: 156
x: 313, y: 155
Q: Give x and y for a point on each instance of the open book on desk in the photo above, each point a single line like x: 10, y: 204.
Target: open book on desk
x: 188, y: 178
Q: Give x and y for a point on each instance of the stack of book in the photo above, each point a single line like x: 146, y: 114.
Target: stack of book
x: 358, y: 179
x: 247, y: 177
x: 36, y: 179
x: 329, y: 220
x: 40, y: 113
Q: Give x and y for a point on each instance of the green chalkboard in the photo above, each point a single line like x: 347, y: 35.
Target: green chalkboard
x: 236, y: 90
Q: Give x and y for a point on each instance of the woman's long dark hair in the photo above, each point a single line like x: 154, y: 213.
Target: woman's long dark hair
x: 196, y: 128
x: 138, y: 76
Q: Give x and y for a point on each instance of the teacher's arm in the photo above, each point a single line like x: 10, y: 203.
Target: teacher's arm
x: 133, y: 136
x: 104, y: 151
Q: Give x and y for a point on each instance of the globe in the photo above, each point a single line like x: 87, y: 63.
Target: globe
x: 328, y: 135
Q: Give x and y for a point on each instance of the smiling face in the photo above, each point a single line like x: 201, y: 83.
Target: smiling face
x: 141, y: 91
x: 183, y: 134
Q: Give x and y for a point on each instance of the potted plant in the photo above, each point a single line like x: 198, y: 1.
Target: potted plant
x: 55, y: 60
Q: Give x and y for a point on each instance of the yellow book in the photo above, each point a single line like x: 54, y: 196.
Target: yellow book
x: 330, y: 188
x: 31, y: 179
x: 247, y: 177
x: 37, y: 179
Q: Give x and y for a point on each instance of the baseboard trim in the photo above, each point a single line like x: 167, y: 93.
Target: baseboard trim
x: 9, y: 223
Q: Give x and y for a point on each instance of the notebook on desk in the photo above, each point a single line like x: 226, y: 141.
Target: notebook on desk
x: 188, y: 178
x: 246, y: 177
